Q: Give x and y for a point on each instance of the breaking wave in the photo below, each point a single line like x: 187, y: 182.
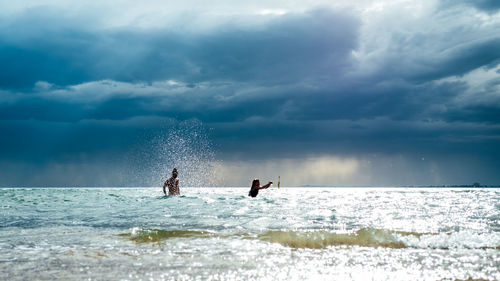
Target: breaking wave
x: 370, y: 237
x: 158, y: 235
x: 364, y: 237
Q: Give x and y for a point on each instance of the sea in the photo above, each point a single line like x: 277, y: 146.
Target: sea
x: 219, y: 233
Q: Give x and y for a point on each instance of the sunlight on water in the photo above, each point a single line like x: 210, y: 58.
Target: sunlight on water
x: 222, y: 234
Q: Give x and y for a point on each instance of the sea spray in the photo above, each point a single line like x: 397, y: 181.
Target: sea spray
x: 184, y: 145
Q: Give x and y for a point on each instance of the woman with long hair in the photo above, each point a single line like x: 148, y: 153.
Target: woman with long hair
x: 254, y: 190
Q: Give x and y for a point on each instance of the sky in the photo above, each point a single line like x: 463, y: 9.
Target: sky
x: 320, y: 93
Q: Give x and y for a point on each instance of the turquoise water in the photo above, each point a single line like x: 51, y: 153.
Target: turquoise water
x: 222, y: 234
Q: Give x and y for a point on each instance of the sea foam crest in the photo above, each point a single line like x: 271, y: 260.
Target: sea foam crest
x: 364, y: 237
x: 371, y: 237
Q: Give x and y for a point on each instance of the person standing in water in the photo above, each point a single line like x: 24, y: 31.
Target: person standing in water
x: 173, y: 184
x: 254, y: 190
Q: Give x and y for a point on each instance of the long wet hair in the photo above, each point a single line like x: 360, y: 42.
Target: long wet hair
x: 255, y: 183
x: 254, y: 190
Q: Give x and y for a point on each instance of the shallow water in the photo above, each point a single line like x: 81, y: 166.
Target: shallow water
x: 221, y: 234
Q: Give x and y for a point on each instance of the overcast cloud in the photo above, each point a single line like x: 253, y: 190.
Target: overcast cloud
x: 370, y: 93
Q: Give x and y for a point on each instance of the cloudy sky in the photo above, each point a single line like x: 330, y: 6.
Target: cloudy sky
x: 116, y: 93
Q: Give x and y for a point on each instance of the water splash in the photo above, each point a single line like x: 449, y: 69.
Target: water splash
x: 187, y: 147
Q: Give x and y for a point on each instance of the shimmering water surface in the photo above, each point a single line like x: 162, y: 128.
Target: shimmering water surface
x: 222, y: 234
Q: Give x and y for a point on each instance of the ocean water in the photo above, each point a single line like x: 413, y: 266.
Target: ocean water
x: 222, y: 234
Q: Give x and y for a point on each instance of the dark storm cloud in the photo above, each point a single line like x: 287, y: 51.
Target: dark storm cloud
x: 41, y: 44
x: 490, y: 6
x: 313, y: 45
x: 289, y: 86
x: 295, y: 67
x: 64, y: 53
x: 396, y: 100
x: 101, y: 101
x: 460, y: 60
x: 419, y: 59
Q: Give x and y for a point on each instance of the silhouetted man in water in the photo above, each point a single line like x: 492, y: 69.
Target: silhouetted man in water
x: 173, y: 184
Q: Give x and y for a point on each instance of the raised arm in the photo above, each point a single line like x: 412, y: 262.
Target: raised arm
x: 266, y: 186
